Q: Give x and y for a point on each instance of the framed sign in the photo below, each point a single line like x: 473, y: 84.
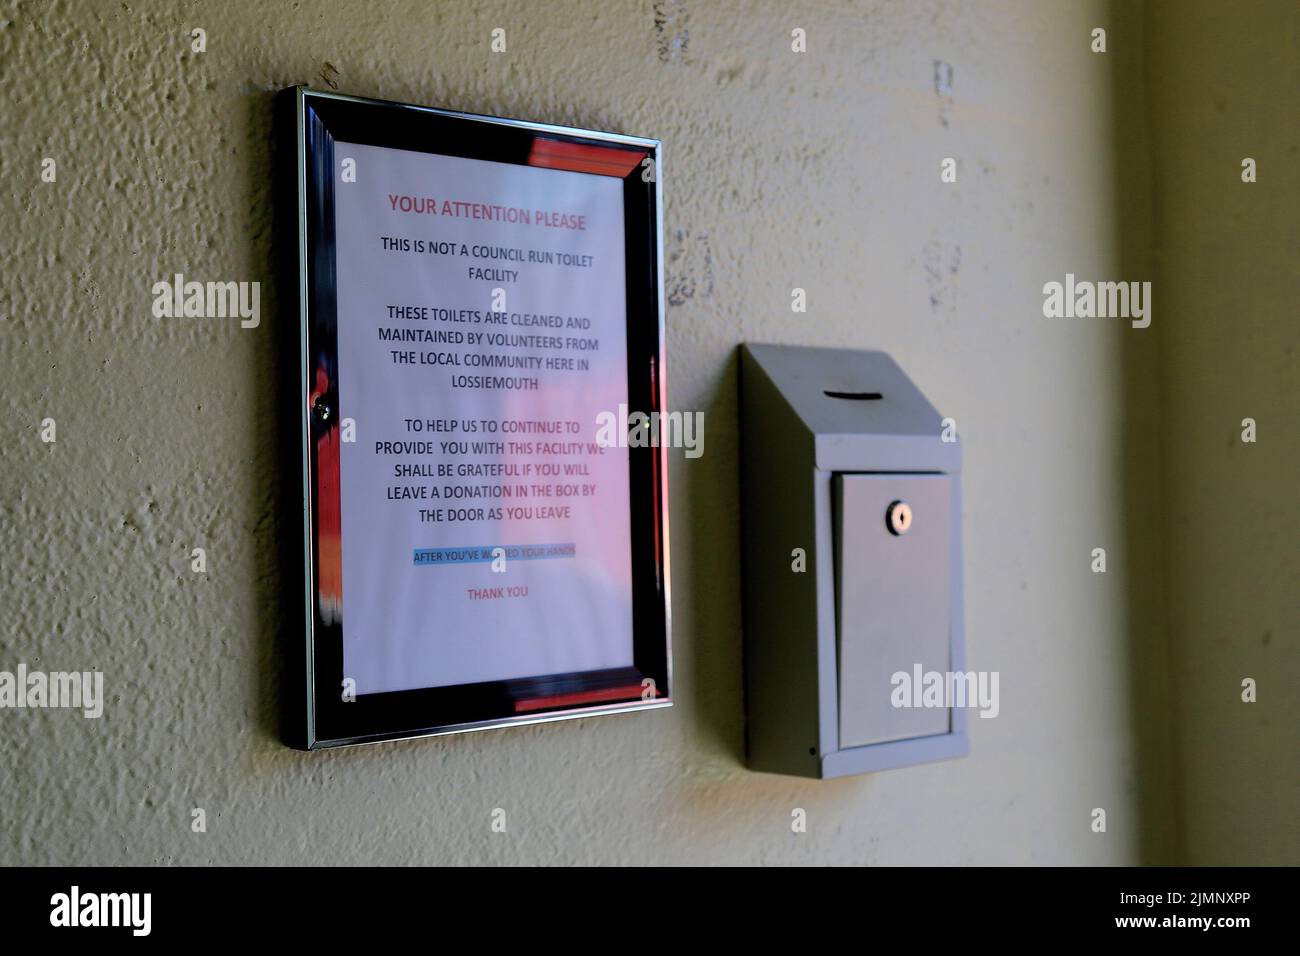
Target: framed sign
x: 477, y: 300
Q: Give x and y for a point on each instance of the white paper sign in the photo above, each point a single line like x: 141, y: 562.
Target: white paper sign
x: 481, y: 330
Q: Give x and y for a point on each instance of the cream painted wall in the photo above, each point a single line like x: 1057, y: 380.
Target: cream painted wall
x: 818, y: 170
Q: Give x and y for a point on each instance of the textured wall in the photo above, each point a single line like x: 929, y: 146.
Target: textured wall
x: 1226, y: 90
x: 817, y: 170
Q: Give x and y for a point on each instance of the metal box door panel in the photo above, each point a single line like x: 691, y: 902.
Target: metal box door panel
x: 892, y: 603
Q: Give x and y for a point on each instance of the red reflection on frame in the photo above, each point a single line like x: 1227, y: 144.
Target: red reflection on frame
x: 329, y: 512
x: 584, y: 158
x: 578, y: 698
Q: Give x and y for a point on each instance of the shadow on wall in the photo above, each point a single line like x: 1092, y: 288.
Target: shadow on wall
x: 1221, y: 89
x: 1142, y: 561
x: 275, y: 467
x: 717, y: 660
x: 1195, y: 92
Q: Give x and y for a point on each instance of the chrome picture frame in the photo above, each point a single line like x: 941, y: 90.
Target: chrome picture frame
x: 307, y: 122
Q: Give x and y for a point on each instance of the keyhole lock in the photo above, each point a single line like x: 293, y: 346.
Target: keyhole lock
x: 898, y: 517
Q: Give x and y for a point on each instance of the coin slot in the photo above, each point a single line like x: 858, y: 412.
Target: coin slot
x: 854, y: 396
